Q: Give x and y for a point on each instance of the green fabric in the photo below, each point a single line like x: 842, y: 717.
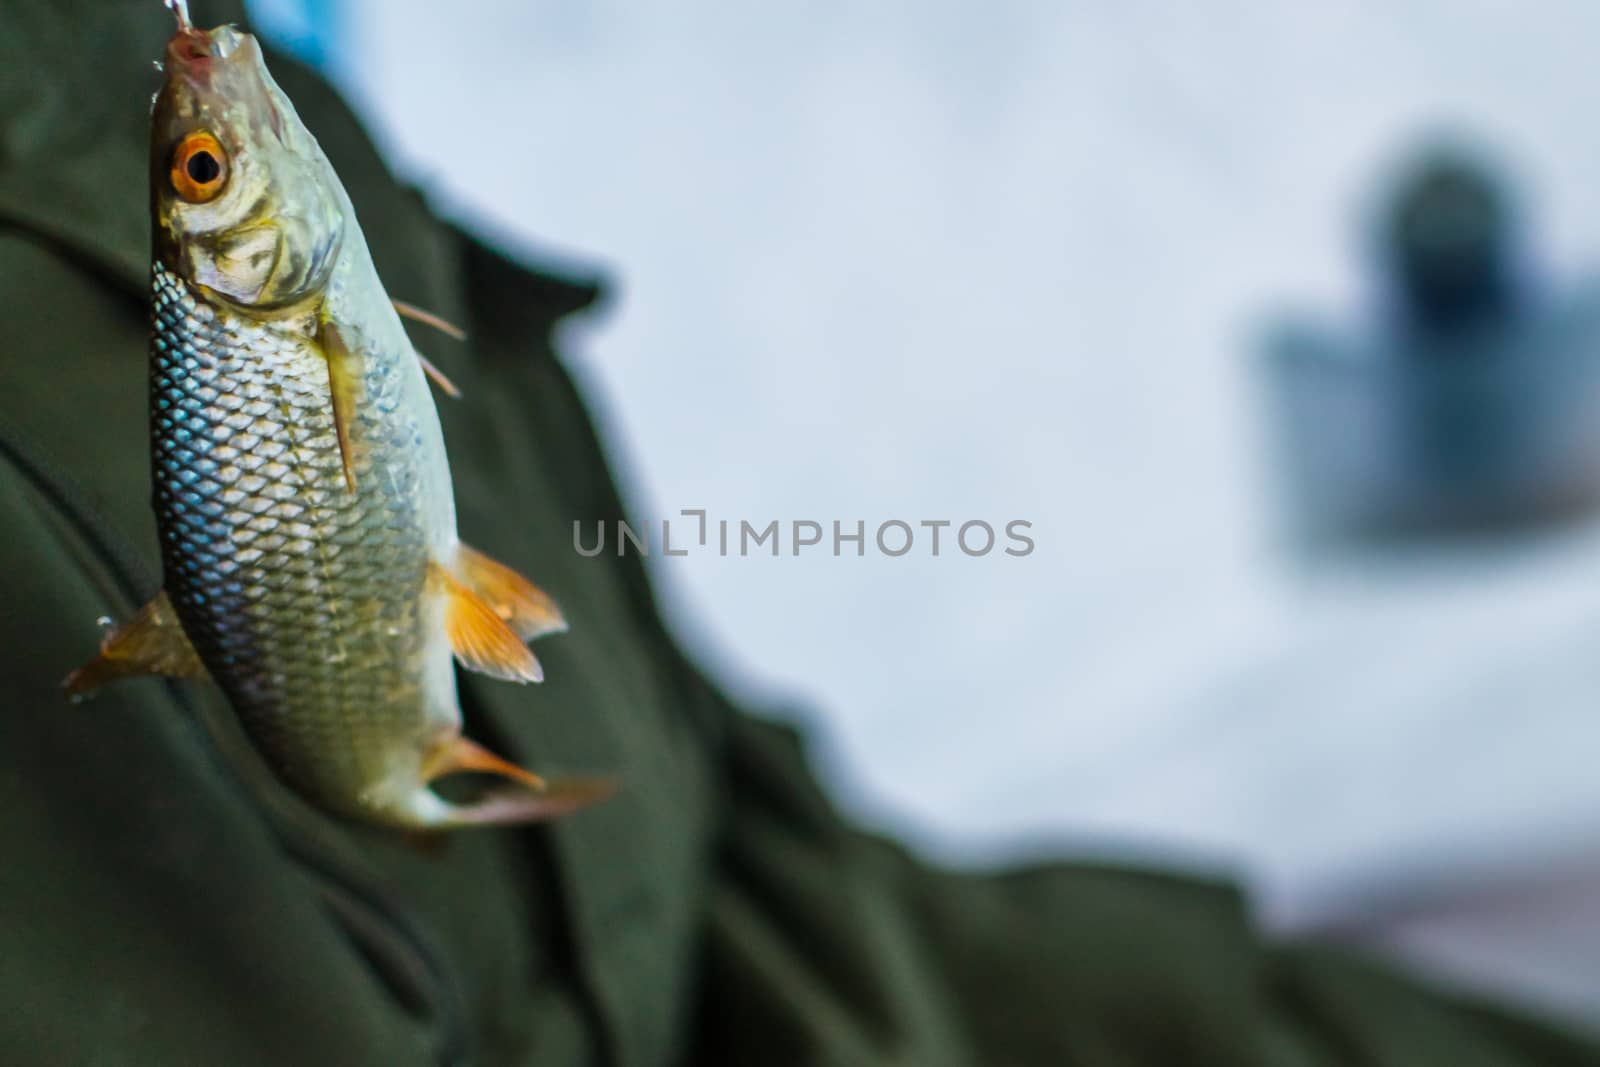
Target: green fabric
x: 164, y: 901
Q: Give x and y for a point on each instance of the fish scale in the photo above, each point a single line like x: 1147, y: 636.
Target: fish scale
x: 302, y: 596
x: 302, y: 492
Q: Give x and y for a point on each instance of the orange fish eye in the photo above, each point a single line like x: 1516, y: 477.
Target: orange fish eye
x: 199, y: 168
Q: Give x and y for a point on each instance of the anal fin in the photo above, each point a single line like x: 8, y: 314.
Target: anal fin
x: 525, y: 798
x: 524, y: 606
x: 457, y: 754
x: 152, y: 642
x: 482, y: 640
x: 513, y: 805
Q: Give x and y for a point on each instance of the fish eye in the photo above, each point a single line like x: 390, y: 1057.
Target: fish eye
x: 199, y: 168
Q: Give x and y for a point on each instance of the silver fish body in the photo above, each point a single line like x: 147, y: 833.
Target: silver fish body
x: 306, y: 600
x: 302, y: 493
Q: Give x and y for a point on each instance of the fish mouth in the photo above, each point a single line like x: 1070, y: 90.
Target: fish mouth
x: 197, y: 53
x: 192, y: 44
x: 208, y: 72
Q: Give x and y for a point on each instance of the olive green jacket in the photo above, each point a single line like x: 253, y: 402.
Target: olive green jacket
x: 163, y: 900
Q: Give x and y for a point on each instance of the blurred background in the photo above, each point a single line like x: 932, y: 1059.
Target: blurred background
x: 1277, y: 322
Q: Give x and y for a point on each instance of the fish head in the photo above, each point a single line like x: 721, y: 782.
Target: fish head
x: 244, y: 203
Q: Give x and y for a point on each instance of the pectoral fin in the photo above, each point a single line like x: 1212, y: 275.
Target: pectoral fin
x: 344, y: 384
x: 152, y: 642
x: 428, y: 318
x: 482, y: 640
x: 449, y: 329
x: 524, y: 606
x: 438, y: 377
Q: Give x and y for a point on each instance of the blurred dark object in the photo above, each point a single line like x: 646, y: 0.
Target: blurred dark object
x: 1447, y: 242
x: 1471, y: 405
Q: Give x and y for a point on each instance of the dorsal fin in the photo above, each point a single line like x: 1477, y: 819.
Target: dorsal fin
x: 152, y: 642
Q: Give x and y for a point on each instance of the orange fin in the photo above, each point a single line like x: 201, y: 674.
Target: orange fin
x: 152, y: 642
x: 344, y: 382
x: 428, y: 318
x: 524, y: 606
x: 457, y: 753
x: 519, y: 805
x: 437, y: 376
x: 482, y: 640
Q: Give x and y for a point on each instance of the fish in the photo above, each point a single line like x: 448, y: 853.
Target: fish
x: 310, y: 558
